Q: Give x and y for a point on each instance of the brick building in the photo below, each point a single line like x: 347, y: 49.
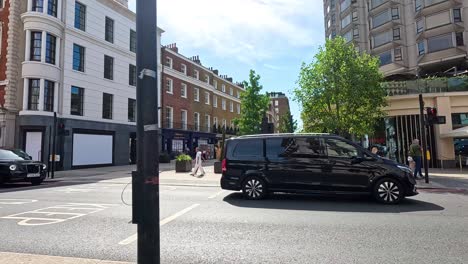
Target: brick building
x: 279, y: 106
x: 196, y: 101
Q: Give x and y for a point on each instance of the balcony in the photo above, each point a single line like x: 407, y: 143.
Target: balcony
x: 204, y: 129
x: 439, y: 85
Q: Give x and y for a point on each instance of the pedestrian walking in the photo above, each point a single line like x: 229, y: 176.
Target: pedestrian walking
x: 198, y: 164
x: 416, y: 154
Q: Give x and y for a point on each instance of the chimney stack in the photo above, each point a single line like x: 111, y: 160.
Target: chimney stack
x: 216, y: 72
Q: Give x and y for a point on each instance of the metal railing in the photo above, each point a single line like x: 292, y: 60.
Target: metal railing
x: 200, y: 128
x: 437, y: 85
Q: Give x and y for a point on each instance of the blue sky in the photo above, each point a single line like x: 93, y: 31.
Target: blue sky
x: 273, y: 37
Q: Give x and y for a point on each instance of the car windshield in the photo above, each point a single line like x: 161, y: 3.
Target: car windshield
x: 10, y: 155
x: 22, y: 154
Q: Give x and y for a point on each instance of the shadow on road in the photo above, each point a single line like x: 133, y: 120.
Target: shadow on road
x: 340, y: 203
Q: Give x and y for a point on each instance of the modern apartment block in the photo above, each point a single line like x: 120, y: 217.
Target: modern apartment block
x: 413, y: 39
x: 76, y: 59
x: 197, y: 102
x: 278, y: 107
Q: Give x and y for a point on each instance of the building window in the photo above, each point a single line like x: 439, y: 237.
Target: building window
x: 376, y: 3
x: 76, y: 105
x: 131, y: 110
x: 459, y: 39
x: 207, y: 98
x: 348, y: 36
x: 169, y: 86
x: 381, y: 39
x: 215, y: 101
x: 108, y: 67
x: 395, y: 13
x: 385, y: 58
x: 169, y: 62
x: 418, y: 5
x: 183, y: 68
x: 208, y: 123
x: 457, y: 15
x: 419, y: 26
x: 169, y: 115
x: 196, y: 121
x: 346, y: 21
x: 207, y: 78
x: 49, y: 95
x: 196, y: 94
x: 80, y: 16
x: 33, y: 94
x: 133, y: 40
x: 333, y: 19
x: 223, y: 88
x: 109, y: 36
x: 196, y: 74
x: 397, y: 54
x: 421, y: 48
x: 223, y: 104
x: 215, y: 84
x: 231, y: 91
x: 132, y: 75
x: 183, y: 90
x: 107, y: 102
x: 381, y: 19
x: 78, y: 58
x: 396, y: 34
x: 237, y: 94
x: 52, y: 8
x: 238, y: 109
x: 224, y: 123
x: 355, y: 16
x: 36, y: 45
x: 50, y: 48
x: 439, y: 43
x: 215, y: 121
x: 344, y: 5
x: 37, y: 5
x: 183, y: 119
x: 355, y: 33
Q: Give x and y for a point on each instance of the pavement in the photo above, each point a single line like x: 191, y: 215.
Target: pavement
x: 81, y: 218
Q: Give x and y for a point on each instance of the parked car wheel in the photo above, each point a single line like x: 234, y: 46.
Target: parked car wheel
x: 388, y: 191
x: 36, y: 182
x: 254, y: 188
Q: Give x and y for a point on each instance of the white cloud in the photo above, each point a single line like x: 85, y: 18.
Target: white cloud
x: 271, y: 67
x: 248, y: 30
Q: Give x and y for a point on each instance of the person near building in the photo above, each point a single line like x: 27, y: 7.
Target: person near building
x: 415, y: 153
x: 198, y: 164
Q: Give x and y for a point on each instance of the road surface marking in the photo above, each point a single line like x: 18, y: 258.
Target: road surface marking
x: 16, y: 201
x: 56, y: 214
x: 216, y: 194
x: 166, y: 220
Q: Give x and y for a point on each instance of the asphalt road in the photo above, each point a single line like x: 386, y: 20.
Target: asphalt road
x: 207, y: 225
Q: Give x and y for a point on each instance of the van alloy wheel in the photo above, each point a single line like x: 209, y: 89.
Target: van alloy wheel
x: 254, y: 188
x: 388, y: 191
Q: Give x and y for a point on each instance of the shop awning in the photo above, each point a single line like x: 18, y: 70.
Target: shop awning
x: 460, y: 132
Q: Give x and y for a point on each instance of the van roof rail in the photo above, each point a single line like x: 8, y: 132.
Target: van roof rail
x: 284, y: 134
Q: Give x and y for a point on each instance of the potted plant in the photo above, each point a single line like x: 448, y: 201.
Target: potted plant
x: 220, y: 155
x: 183, y: 163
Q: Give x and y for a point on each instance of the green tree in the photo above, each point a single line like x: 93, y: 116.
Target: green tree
x: 254, y: 106
x: 287, y: 124
x: 340, y: 91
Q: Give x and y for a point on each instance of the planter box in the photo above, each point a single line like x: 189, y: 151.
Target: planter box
x: 218, y: 167
x: 183, y: 166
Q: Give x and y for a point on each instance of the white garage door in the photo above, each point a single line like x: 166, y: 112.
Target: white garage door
x: 91, y: 149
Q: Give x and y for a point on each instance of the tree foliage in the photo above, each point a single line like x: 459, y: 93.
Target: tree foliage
x: 287, y: 124
x: 340, y: 91
x: 254, y: 106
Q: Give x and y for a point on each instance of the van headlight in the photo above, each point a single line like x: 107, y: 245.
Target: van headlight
x: 12, y: 167
x: 44, y: 166
x: 405, y: 169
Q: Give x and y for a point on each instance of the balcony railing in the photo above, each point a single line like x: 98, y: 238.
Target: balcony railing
x: 438, y: 85
x: 190, y: 127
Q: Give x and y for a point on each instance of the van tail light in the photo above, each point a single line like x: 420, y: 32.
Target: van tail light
x: 223, y: 165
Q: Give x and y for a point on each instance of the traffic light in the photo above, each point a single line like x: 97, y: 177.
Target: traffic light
x: 431, y: 115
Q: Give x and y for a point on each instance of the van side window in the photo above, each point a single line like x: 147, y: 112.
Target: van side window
x: 294, y: 147
x: 278, y: 147
x: 340, y: 149
x: 310, y: 147
x: 248, y: 148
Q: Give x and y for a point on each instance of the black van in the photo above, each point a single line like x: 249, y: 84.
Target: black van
x: 311, y: 163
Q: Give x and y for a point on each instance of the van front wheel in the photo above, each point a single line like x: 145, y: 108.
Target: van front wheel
x: 254, y: 188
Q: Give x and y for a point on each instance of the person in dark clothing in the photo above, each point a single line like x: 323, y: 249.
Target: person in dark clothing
x: 416, y: 153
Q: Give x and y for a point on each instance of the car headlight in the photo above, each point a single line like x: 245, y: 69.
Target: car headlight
x: 44, y: 166
x: 13, y: 167
x: 405, y: 169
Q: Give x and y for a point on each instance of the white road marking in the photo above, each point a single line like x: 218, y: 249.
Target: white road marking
x: 16, y: 201
x: 216, y: 194
x: 166, y: 220
x: 52, y: 215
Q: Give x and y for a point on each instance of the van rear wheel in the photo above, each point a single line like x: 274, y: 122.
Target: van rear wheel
x: 254, y: 188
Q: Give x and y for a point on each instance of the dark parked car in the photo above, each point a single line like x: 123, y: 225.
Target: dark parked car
x: 16, y: 165
x: 311, y: 163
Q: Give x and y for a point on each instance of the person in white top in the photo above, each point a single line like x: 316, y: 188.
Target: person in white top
x: 198, y: 164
